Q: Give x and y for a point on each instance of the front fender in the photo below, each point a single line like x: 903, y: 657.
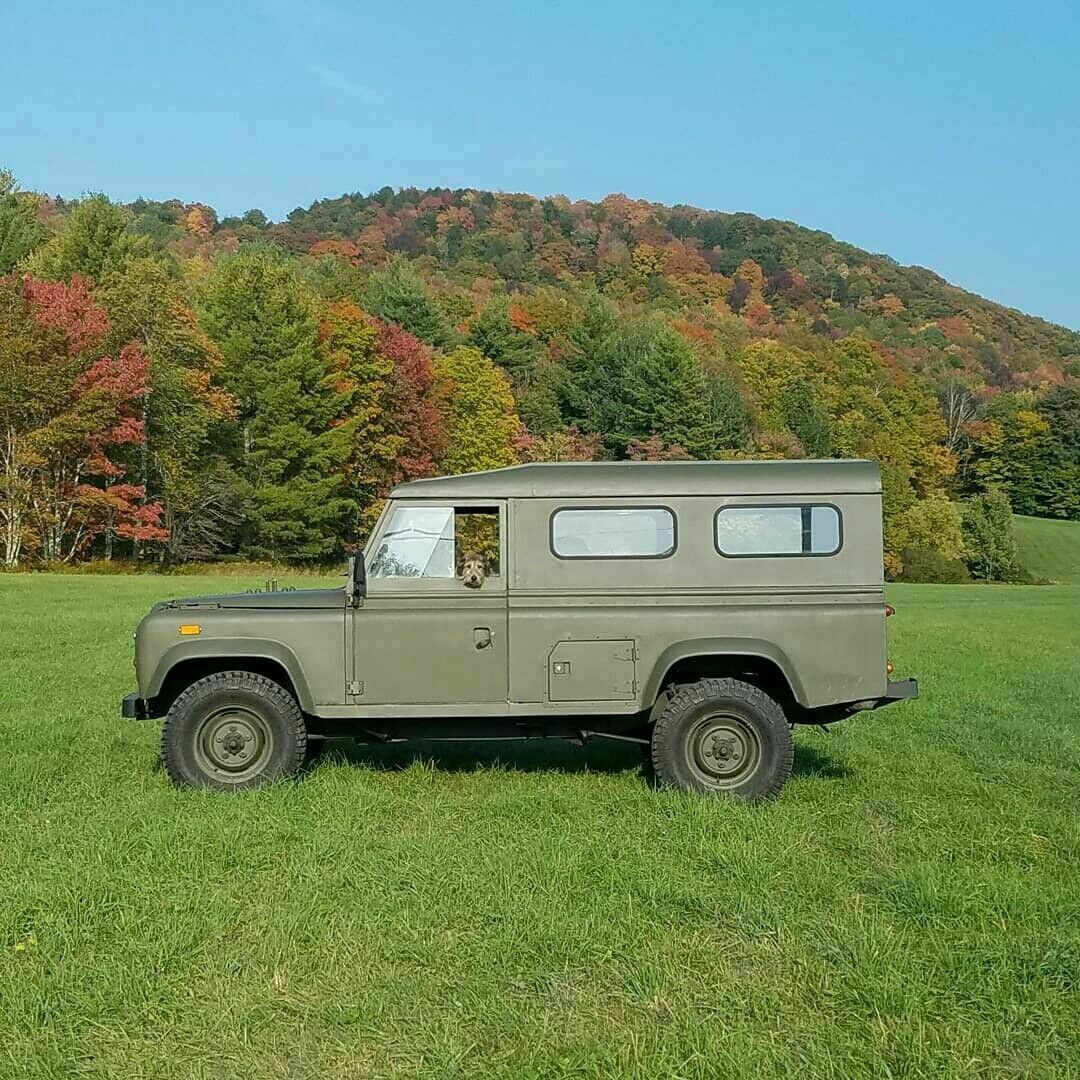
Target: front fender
x: 722, y: 647
x: 217, y: 648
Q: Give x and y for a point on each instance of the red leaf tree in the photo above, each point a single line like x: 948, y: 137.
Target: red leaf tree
x: 413, y: 401
x: 68, y: 413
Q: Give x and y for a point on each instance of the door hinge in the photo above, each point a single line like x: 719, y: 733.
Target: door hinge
x: 354, y: 686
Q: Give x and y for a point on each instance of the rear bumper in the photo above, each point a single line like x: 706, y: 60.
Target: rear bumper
x: 900, y: 690
x: 133, y: 707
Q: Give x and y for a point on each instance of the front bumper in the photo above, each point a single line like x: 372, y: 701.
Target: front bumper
x: 133, y: 707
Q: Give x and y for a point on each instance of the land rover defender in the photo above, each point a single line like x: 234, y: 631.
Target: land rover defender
x: 699, y: 609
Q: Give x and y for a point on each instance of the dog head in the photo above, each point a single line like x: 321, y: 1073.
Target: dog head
x: 472, y: 573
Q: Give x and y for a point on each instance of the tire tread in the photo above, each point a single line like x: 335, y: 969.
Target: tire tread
x: 273, y: 693
x: 664, y: 746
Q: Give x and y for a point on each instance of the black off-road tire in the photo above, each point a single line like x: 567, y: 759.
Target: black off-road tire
x: 233, y: 731
x: 723, y: 736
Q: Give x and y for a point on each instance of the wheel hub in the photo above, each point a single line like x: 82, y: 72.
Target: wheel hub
x: 234, y: 744
x: 724, y: 750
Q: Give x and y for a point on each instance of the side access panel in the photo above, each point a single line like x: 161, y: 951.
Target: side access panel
x: 592, y: 671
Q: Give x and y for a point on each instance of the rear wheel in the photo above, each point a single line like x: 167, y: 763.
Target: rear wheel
x: 723, y: 736
x: 231, y: 731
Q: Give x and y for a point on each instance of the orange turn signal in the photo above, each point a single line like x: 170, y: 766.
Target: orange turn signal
x: 888, y: 667
x: 190, y: 630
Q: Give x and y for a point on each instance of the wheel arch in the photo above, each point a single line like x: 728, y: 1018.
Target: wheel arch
x: 758, y: 662
x: 180, y: 667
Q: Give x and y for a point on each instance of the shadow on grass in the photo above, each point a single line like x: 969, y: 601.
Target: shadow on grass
x: 810, y: 761
x: 539, y: 755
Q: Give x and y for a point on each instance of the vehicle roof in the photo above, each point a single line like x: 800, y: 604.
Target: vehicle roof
x: 653, y: 479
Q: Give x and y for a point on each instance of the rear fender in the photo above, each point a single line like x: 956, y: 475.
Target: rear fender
x: 722, y: 649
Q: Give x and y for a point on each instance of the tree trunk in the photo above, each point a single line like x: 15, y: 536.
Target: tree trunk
x: 10, y: 509
x: 144, y: 479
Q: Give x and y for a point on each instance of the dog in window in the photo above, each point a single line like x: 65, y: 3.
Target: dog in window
x: 472, y: 572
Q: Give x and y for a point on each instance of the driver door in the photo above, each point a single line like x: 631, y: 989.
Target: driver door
x: 420, y: 635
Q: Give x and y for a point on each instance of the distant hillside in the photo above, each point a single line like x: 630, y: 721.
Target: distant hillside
x: 676, y: 258
x: 1049, y: 549
x: 682, y: 255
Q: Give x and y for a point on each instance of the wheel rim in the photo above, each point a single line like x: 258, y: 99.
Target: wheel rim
x: 233, y: 744
x: 725, y: 750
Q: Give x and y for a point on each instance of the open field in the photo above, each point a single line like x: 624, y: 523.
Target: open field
x: 1049, y: 549
x: 909, y: 907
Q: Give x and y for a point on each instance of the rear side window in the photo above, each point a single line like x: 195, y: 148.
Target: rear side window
x: 631, y: 532
x: 747, y: 531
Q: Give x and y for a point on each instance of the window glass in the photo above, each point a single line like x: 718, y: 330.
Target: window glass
x: 437, y: 541
x: 778, y: 530
x: 418, y: 542
x: 615, y: 533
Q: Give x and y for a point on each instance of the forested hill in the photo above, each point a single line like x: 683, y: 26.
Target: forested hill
x: 189, y: 386
x: 682, y: 257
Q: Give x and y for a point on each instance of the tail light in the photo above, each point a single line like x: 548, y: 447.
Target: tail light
x: 889, y: 610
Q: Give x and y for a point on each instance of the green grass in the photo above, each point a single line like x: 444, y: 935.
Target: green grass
x: 1049, y: 549
x: 909, y: 907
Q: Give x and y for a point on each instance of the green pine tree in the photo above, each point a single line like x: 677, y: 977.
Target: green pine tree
x: 398, y: 295
x: 293, y: 453
x: 992, y: 554
x: 661, y: 390
x: 20, y: 230
x: 95, y: 242
x: 730, y: 415
x: 806, y: 420
x: 499, y: 340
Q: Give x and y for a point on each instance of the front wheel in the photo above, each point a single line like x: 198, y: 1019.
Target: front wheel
x: 232, y: 731
x: 723, y: 736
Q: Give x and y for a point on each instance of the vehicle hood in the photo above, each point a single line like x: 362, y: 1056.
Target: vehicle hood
x: 281, y: 600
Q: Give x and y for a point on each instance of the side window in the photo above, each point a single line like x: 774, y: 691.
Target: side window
x: 437, y: 542
x: 645, y: 532
x: 743, y: 531
x: 476, y: 538
x: 418, y: 542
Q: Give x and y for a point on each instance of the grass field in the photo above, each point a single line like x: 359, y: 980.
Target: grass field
x: 909, y: 907
x: 1049, y: 549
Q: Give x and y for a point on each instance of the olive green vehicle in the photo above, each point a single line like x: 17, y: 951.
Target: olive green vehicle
x: 699, y: 609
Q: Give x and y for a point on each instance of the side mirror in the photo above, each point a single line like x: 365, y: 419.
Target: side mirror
x: 357, y: 587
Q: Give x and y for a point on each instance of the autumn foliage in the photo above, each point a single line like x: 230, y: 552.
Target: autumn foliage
x: 71, y: 415
x: 177, y: 386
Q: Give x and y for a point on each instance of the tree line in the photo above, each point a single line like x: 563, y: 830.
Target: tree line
x: 174, y: 387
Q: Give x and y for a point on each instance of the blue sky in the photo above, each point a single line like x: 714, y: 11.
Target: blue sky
x: 943, y: 134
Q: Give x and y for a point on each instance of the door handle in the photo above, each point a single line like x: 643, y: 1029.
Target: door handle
x: 483, y: 637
